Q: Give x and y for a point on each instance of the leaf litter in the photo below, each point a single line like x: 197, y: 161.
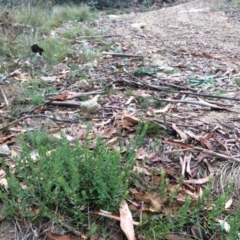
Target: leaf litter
x: 176, y: 71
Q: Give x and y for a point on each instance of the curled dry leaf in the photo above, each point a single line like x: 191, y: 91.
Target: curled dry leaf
x: 142, y: 154
x: 141, y: 170
x: 200, y: 180
x: 55, y: 236
x: 131, y: 119
x: 224, y: 224
x: 152, y: 198
x: 126, y: 221
x: 182, y: 135
x: 3, y: 180
x: 228, y: 203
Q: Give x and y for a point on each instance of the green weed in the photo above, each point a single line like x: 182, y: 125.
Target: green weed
x: 72, y: 32
x: 106, y: 47
x: 66, y: 177
x: 89, y: 55
x: 34, y: 92
x: 144, y: 71
x: 69, y: 12
x: 55, y: 49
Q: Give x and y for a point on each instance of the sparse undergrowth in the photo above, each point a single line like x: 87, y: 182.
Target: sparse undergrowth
x: 24, y: 26
x: 53, y: 175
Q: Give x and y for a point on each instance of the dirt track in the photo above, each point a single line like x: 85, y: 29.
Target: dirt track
x: 196, y: 38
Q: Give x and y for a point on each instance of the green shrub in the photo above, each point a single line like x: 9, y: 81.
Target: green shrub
x: 66, y: 177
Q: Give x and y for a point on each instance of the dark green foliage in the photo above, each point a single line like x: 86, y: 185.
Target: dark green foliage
x: 144, y: 71
x: 97, y: 3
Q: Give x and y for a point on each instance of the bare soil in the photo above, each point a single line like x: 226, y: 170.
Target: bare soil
x: 199, y: 38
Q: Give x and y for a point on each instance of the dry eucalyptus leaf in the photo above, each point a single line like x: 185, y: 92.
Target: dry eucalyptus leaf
x: 131, y: 119
x: 126, y: 221
x: 224, y: 224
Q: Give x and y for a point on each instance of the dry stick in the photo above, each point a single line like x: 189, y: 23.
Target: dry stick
x: 143, y: 84
x: 37, y: 116
x: 121, y: 54
x: 4, y: 96
x: 68, y: 227
x: 173, y: 85
x: 218, y: 154
x: 205, y: 104
x: 65, y: 103
x: 179, y: 150
x: 98, y: 36
x: 172, y: 91
x: 204, y: 151
x: 82, y: 94
x: 87, y: 94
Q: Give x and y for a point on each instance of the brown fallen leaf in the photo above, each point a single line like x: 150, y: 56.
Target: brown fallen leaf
x: 131, y: 119
x: 55, y: 236
x: 228, y: 203
x: 200, y: 180
x: 152, y: 198
x: 110, y: 215
x: 182, y: 135
x: 141, y: 170
x: 3, y: 180
x: 126, y: 221
x: 178, y: 237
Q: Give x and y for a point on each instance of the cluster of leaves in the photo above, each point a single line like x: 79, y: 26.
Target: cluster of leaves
x: 200, y: 217
x: 201, y: 82
x: 144, y: 71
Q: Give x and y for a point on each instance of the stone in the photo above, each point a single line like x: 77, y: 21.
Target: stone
x: 168, y: 70
x: 113, y: 17
x: 83, y: 83
x: 4, y: 151
x: 138, y: 25
x: 90, y: 106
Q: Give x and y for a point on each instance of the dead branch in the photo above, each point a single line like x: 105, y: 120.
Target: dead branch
x: 4, y: 97
x: 226, y: 157
x: 205, y: 104
x: 121, y: 54
x: 141, y: 83
x: 38, y: 116
x: 87, y: 94
x: 65, y: 103
x: 97, y: 36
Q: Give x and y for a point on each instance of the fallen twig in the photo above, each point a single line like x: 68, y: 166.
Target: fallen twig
x: 141, y: 83
x: 193, y: 148
x: 97, y: 36
x: 65, y: 103
x: 38, y: 116
x: 226, y: 157
x: 111, y: 216
x: 121, y: 54
x: 205, y: 104
x: 4, y: 97
x: 79, y: 94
